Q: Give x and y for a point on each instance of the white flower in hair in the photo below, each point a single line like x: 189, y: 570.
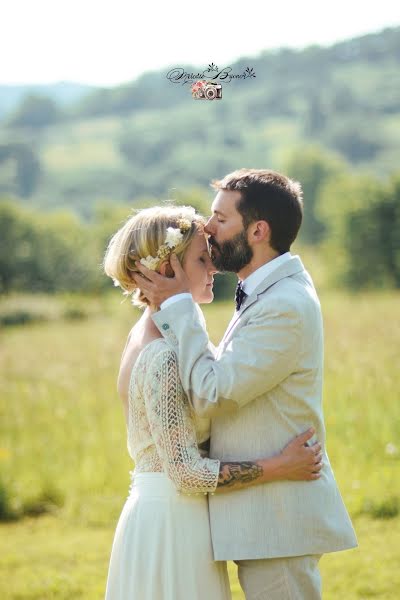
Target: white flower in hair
x: 172, y: 240
x: 190, y: 212
x: 174, y: 236
x: 150, y: 262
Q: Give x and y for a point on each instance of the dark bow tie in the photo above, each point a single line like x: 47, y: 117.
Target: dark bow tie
x: 240, y: 295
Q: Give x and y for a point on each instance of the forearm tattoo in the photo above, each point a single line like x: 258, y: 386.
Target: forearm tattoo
x: 231, y: 473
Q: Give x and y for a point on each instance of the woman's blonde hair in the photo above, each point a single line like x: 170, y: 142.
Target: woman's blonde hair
x: 141, y: 237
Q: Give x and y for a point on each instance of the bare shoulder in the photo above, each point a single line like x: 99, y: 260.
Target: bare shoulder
x: 125, y: 367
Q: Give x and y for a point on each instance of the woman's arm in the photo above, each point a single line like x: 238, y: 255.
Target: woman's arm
x: 174, y: 435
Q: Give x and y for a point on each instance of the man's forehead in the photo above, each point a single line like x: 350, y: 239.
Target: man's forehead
x: 225, y: 201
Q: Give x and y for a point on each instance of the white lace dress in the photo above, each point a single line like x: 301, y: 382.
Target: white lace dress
x: 162, y: 545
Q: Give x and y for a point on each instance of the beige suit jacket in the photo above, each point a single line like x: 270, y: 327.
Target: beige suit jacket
x: 262, y: 388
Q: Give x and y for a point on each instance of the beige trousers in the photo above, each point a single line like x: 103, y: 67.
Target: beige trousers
x: 292, y: 578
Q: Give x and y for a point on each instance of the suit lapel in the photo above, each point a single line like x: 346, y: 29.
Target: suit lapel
x: 289, y: 268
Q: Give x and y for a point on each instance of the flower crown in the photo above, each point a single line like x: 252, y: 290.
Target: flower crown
x: 172, y: 240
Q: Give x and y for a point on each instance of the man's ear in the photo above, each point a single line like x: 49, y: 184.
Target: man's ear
x: 166, y: 270
x: 260, y: 231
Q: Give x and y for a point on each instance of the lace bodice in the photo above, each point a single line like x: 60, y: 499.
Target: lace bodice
x: 161, y: 426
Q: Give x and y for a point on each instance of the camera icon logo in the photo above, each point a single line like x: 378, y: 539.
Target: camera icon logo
x: 206, y: 90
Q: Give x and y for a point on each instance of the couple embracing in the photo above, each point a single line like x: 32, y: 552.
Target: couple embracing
x: 228, y: 442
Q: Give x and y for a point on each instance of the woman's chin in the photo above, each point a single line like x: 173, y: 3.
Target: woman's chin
x: 206, y: 298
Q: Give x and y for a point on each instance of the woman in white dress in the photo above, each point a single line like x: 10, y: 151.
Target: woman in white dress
x: 162, y: 544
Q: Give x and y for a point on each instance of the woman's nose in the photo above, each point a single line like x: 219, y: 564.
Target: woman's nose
x: 211, y: 269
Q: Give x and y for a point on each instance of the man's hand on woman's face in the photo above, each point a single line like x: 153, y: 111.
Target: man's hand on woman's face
x: 158, y: 288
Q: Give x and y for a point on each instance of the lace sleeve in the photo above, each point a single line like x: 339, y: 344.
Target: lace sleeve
x: 173, y: 430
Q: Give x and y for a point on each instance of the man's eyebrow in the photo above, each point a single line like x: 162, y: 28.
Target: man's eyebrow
x: 218, y: 212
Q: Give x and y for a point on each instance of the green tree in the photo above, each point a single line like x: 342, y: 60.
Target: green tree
x: 26, y: 171
x: 14, y: 231
x: 48, y: 253
x: 339, y: 197
x: 372, y: 241
x: 349, y: 136
x: 35, y: 112
x: 313, y: 167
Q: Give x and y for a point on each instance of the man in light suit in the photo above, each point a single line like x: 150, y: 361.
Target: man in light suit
x: 263, y: 387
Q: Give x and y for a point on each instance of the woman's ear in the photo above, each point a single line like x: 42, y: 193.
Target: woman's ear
x: 166, y: 270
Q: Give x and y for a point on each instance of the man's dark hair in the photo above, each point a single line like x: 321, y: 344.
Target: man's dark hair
x: 267, y: 196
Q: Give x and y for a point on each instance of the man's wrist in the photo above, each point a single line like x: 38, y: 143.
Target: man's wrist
x: 175, y: 298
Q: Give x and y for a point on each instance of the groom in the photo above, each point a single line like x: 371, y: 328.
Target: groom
x: 263, y: 387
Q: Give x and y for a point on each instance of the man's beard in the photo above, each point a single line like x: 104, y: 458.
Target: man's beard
x: 232, y: 255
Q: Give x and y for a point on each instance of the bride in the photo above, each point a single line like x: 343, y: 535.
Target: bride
x: 162, y: 546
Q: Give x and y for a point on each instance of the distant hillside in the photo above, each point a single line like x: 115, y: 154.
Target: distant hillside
x: 64, y: 93
x: 150, y: 138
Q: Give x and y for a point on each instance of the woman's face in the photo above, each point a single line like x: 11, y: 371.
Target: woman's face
x: 199, y: 269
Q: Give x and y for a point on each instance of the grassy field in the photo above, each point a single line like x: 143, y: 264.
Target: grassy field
x: 64, y: 466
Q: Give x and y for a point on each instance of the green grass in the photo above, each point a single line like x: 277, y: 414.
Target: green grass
x: 51, y: 558
x: 63, y: 449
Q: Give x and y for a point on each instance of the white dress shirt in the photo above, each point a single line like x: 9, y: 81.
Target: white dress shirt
x: 256, y: 277
x: 249, y: 284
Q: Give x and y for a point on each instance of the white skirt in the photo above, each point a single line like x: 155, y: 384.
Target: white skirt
x: 162, y: 546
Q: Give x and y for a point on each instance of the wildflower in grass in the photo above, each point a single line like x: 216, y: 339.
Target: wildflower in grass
x: 391, y: 449
x: 4, y: 453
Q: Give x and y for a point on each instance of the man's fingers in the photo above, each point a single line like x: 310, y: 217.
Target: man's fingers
x: 148, y: 273
x: 143, y: 284
x: 176, y: 265
x: 139, y: 277
x: 304, y: 437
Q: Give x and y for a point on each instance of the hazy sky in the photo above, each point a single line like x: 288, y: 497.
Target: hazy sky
x: 107, y: 43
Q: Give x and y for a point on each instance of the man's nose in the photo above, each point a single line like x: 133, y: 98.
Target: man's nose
x: 208, y: 228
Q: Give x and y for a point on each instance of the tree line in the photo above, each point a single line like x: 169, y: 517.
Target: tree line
x: 352, y: 222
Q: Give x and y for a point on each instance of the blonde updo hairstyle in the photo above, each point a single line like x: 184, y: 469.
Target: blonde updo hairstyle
x: 140, y: 237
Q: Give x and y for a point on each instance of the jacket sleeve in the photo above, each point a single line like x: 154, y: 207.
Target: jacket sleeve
x: 262, y: 354
x: 173, y: 429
